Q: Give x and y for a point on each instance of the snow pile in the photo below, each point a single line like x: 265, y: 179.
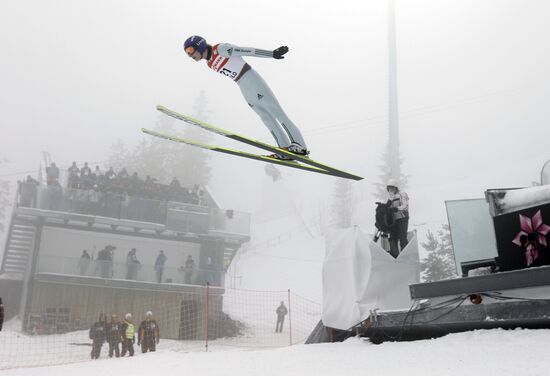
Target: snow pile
x: 507, y: 201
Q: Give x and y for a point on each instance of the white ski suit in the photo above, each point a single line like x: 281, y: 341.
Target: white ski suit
x: 227, y: 60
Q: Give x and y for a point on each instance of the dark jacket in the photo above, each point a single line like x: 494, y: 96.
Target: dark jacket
x: 114, y: 332
x: 160, y: 261
x: 98, y: 331
x: 148, y: 331
x: 281, y: 311
x: 1, y: 314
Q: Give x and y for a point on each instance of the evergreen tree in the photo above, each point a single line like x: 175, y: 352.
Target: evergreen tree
x: 164, y: 160
x: 154, y: 156
x: 119, y: 158
x: 192, y: 165
x: 343, y: 204
x: 440, y: 263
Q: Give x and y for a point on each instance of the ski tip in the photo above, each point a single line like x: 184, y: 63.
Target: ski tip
x: 159, y: 107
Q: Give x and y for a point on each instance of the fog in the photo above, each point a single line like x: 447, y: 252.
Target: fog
x: 76, y: 76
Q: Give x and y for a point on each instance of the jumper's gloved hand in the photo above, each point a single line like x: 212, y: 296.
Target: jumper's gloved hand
x: 279, y: 52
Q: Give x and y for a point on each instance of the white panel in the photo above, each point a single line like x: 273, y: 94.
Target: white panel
x: 472, y: 230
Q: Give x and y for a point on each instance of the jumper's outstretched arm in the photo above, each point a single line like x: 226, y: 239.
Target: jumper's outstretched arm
x: 228, y: 50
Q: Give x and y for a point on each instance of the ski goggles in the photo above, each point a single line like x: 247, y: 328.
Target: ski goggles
x: 190, y: 50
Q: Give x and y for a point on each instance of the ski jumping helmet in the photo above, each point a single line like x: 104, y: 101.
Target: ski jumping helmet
x: 196, y: 42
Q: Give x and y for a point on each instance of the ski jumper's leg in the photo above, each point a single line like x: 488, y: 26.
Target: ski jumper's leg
x: 278, y: 132
x: 262, y: 100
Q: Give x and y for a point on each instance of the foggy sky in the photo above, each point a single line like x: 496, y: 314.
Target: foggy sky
x: 473, y: 87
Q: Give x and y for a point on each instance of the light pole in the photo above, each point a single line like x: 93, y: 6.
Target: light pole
x: 393, y: 141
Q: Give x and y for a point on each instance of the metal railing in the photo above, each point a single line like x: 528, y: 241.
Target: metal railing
x: 177, y: 216
x: 107, y: 269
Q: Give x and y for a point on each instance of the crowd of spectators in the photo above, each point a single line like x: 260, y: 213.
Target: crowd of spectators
x: 122, y: 182
x: 97, y: 187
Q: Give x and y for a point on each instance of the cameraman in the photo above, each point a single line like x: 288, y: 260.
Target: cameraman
x: 400, y: 208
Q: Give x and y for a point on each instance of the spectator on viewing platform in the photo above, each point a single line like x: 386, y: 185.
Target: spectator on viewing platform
x: 110, y: 174
x: 114, y: 336
x: 87, y: 179
x: 86, y: 170
x: 281, y: 312
x: 94, y: 198
x: 98, y: 335
x: 105, y: 261
x: 74, y: 176
x: 115, y: 192
x: 52, y: 174
x: 84, y: 262
x: 123, y: 174
x: 128, y: 335
x: 209, y: 272
x: 174, y: 189
x: 159, y: 265
x: 400, y: 207
x: 149, y: 187
x: 28, y: 192
x: 132, y: 265
x: 188, y: 270
x: 175, y: 183
x: 1, y: 314
x: 135, y: 184
x: 148, y: 333
x: 54, y: 196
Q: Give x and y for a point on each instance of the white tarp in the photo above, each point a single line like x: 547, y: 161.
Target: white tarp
x: 360, y: 276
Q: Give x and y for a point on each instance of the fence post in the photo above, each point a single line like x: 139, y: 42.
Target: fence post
x: 206, y: 315
x: 289, y: 319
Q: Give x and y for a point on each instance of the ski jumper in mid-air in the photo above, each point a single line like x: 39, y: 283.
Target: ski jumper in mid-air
x: 227, y: 59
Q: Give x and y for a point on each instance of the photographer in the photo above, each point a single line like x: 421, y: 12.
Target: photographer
x: 400, y: 208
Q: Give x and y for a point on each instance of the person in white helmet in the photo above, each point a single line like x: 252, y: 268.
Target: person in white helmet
x: 400, y: 207
x: 128, y: 335
x: 148, y: 333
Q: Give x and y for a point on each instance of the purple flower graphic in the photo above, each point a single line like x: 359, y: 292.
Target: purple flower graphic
x: 532, y: 236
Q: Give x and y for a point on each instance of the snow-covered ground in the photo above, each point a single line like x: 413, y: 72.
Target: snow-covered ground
x: 286, y: 252
x: 486, y: 352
